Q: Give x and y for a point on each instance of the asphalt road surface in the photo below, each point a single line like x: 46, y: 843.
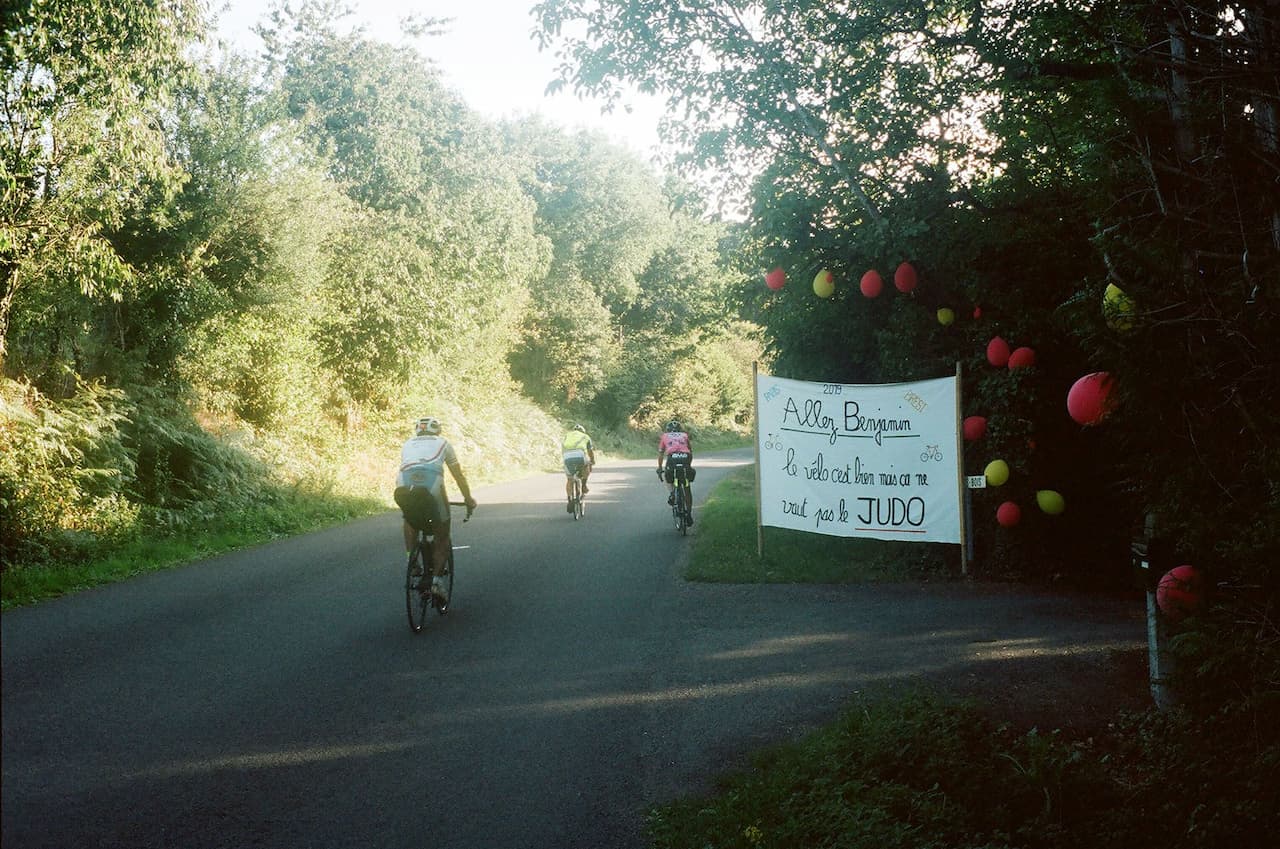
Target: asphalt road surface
x: 276, y: 697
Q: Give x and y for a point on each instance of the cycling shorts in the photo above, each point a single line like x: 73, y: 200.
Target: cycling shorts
x: 679, y: 464
x: 421, y: 509
x: 574, y: 465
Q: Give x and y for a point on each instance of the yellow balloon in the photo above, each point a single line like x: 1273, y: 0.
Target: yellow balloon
x: 1117, y: 308
x: 997, y: 472
x: 824, y: 285
x: 1050, y: 501
x: 946, y: 315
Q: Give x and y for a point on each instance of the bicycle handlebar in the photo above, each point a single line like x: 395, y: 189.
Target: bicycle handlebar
x: 470, y: 510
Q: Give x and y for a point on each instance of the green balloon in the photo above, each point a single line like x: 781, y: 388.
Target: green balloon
x: 1050, y: 501
x: 997, y: 472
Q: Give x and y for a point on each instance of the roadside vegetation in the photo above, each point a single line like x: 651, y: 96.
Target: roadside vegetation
x: 223, y: 301
x: 922, y: 769
x: 228, y: 284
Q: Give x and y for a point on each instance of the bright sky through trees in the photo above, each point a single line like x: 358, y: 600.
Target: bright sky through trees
x: 486, y: 55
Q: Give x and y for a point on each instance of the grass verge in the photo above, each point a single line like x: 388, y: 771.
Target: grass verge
x: 290, y: 512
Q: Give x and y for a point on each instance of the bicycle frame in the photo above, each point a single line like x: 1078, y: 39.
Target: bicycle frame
x: 683, y: 501
x: 418, y: 596
x: 578, y: 509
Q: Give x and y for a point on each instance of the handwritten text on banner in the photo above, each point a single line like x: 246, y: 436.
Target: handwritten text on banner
x: 853, y: 460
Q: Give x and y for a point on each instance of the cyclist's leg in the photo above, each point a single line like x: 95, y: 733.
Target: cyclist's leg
x: 440, y: 548
x: 688, y: 485
x: 410, y: 537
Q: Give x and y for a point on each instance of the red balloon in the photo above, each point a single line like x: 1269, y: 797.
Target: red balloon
x: 998, y: 352
x: 1022, y: 357
x: 1180, y: 592
x: 905, y: 277
x: 1090, y: 399
x: 974, y: 427
x: 776, y: 279
x: 1008, y: 514
x: 871, y: 284
x: 977, y: 312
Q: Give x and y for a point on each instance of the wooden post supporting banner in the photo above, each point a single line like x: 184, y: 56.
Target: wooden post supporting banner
x: 755, y: 417
x: 963, y: 491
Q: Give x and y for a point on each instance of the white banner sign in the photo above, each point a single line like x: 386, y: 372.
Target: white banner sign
x: 853, y: 460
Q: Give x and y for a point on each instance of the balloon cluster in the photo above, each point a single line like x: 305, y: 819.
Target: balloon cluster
x: 905, y: 280
x: 1090, y: 400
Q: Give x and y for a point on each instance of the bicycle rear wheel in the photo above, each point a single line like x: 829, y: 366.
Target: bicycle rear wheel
x: 417, y: 586
x: 579, y: 510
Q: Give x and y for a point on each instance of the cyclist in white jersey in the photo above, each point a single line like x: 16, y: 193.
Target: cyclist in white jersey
x: 421, y: 494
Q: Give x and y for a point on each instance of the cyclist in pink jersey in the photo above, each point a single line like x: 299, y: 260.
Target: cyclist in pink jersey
x: 674, y: 449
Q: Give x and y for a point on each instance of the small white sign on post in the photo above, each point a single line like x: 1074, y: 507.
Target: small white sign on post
x: 976, y: 481
x: 857, y: 460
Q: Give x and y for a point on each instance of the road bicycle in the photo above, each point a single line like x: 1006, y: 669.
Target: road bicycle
x: 682, y: 500
x: 418, y: 597
x: 575, y: 500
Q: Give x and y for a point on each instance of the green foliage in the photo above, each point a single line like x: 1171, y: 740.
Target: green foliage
x: 603, y: 211
x: 63, y: 470
x: 912, y: 770
x: 82, y: 144
x: 567, y: 346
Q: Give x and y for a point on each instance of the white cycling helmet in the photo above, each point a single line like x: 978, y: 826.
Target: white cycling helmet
x: 426, y: 426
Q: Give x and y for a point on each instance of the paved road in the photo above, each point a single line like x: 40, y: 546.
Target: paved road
x: 275, y: 697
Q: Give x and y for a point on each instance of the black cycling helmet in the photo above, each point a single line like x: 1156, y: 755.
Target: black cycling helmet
x: 673, y: 426
x: 426, y: 426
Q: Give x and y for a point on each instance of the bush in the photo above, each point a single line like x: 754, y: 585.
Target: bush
x: 63, y: 470
x: 917, y: 772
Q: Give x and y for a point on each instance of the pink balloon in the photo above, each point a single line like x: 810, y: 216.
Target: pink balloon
x: 1022, y: 357
x: 1008, y: 514
x: 776, y: 279
x: 871, y: 284
x: 905, y: 277
x: 998, y: 352
x: 1090, y: 399
x: 974, y: 427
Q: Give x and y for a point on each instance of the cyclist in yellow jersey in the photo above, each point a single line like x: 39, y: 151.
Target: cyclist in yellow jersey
x: 579, y: 456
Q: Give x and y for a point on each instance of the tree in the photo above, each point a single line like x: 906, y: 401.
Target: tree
x: 604, y: 214
x: 435, y: 270
x: 85, y: 87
